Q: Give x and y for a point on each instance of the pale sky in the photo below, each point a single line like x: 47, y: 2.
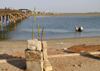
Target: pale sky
x: 64, y: 6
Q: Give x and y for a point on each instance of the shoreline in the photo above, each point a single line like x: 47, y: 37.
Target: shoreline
x: 18, y: 45
x: 51, y: 38
x: 72, y: 38
x: 70, y: 14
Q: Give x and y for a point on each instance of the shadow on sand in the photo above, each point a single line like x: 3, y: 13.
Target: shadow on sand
x: 20, y: 63
x: 86, y: 54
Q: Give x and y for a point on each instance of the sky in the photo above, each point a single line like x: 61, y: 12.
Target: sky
x: 63, y: 6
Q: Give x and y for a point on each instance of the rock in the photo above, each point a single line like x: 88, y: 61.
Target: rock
x: 34, y: 45
x: 33, y: 48
x: 79, y: 65
x: 75, y: 65
x: 34, y: 56
x: 65, y: 49
x: 33, y: 66
x: 39, y: 47
x: 47, y: 65
x: 82, y: 51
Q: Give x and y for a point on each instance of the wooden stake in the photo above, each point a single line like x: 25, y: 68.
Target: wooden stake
x: 42, y: 37
x: 33, y: 24
x: 38, y: 30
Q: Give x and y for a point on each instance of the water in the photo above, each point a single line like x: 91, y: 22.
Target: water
x: 55, y: 27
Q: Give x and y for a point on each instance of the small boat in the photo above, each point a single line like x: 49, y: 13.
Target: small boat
x: 80, y: 29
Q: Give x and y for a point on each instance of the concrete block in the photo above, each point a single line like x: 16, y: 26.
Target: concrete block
x: 41, y: 65
x: 34, y: 56
x: 45, y: 56
x: 35, y: 43
x: 34, y: 66
x: 33, y: 48
x: 47, y: 65
x: 39, y: 48
x: 32, y: 42
x: 45, y: 44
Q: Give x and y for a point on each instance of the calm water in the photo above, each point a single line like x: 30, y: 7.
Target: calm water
x: 55, y: 27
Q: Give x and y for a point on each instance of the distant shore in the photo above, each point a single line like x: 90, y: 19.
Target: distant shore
x: 70, y: 14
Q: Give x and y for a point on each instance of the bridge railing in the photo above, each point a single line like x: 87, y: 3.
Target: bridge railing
x: 11, y: 11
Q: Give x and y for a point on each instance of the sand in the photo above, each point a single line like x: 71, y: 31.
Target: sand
x: 16, y: 49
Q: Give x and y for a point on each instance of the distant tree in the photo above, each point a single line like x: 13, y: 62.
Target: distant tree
x: 39, y: 12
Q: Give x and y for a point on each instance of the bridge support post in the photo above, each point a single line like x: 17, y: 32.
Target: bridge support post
x: 10, y: 19
x: 17, y: 17
x: 3, y: 20
x: 14, y: 20
x: 0, y: 23
x: 7, y: 19
x: 0, y: 20
x: 20, y: 16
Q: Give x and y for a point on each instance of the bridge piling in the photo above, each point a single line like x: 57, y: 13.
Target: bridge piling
x: 7, y: 20
x: 0, y: 20
x: 3, y: 21
x: 14, y: 19
x: 10, y: 19
x: 0, y: 23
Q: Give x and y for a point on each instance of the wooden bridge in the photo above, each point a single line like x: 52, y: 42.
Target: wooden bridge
x: 8, y: 16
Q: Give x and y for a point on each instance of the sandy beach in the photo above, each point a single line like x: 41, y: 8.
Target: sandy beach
x: 21, y: 45
x: 16, y: 49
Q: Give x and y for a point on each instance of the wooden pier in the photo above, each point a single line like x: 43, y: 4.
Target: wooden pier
x: 8, y: 16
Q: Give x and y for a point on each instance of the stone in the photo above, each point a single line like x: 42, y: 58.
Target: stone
x: 45, y: 56
x: 35, y: 43
x: 65, y: 49
x: 45, y: 44
x: 34, y: 66
x: 47, y: 65
x: 39, y: 48
x: 75, y: 65
x: 32, y: 42
x: 34, y: 56
x: 41, y: 65
x: 33, y: 48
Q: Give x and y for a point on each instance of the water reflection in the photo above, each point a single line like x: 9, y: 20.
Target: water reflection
x: 78, y: 34
x: 4, y: 31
